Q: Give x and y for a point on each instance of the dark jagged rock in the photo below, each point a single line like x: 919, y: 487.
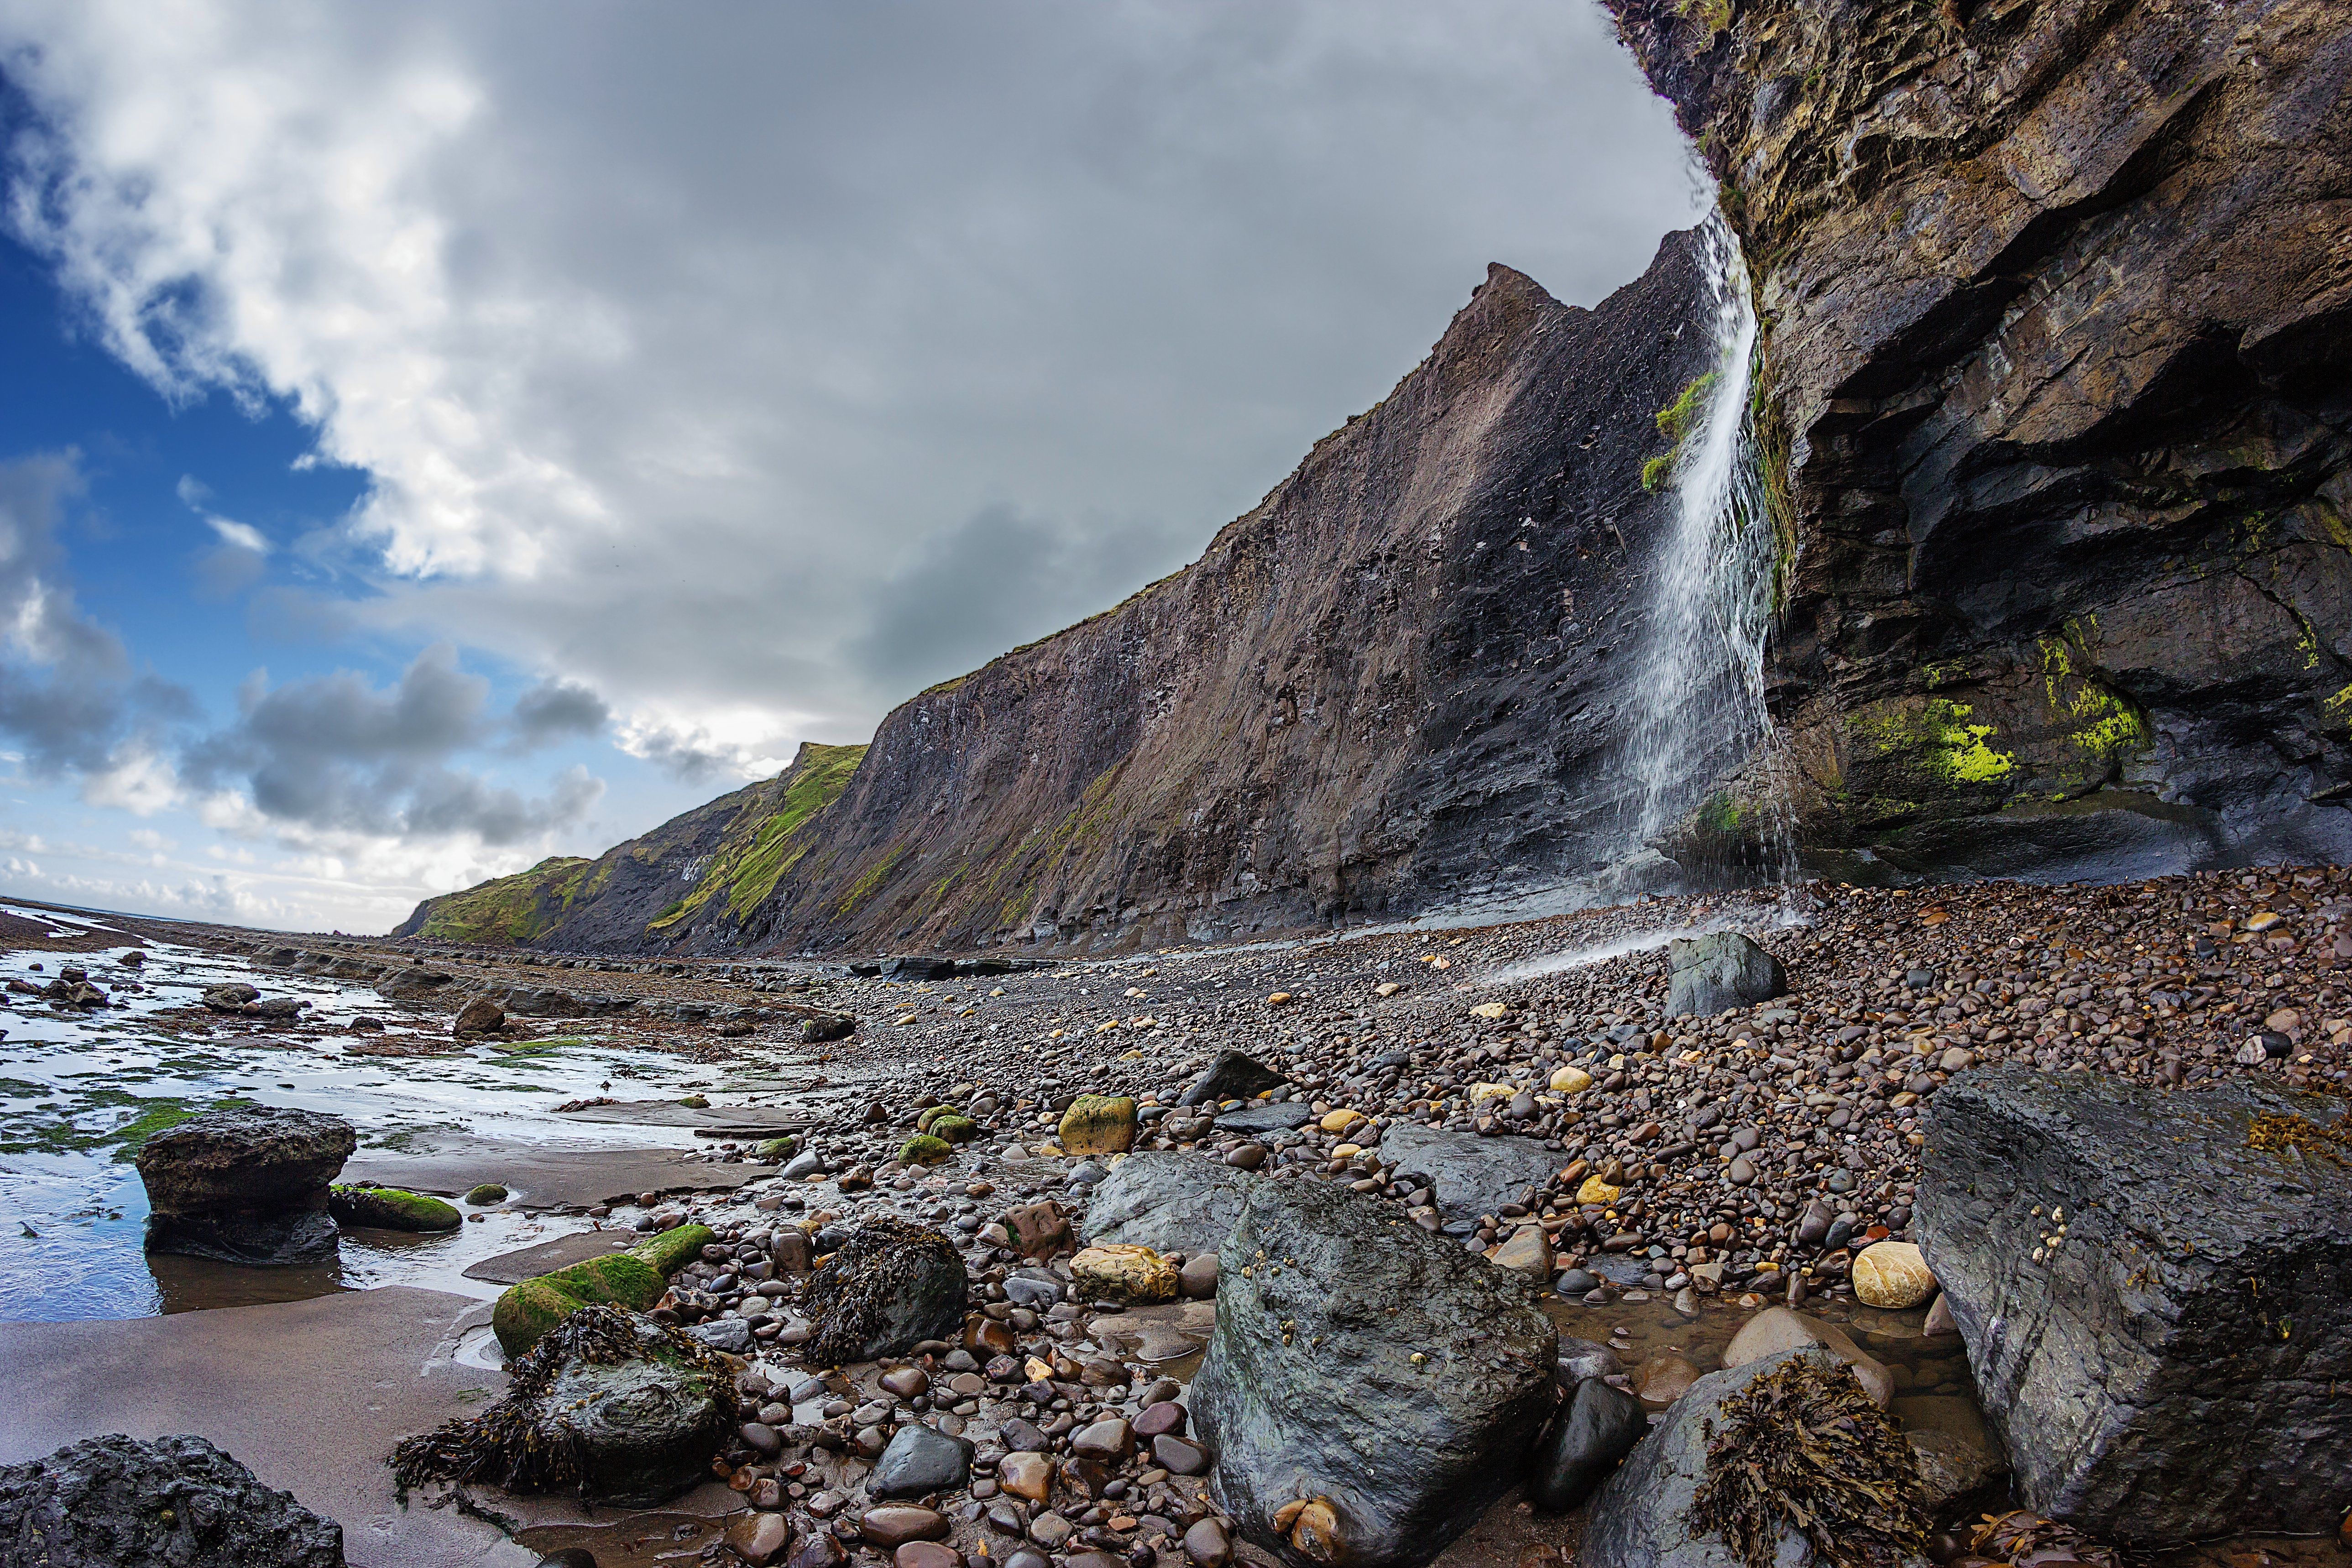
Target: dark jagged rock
x: 1234, y: 1074
x: 244, y: 1184
x: 1472, y: 1176
x: 1166, y: 1202
x: 1338, y: 1318
x: 1722, y: 969
x: 1385, y: 685
x: 888, y: 1288
x: 116, y: 1502
x: 608, y: 1406
x: 1587, y: 1440
x: 2066, y: 465
x: 2164, y: 1371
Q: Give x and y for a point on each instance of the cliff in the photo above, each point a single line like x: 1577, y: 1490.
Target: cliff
x: 1392, y: 681
x: 691, y: 874
x: 2056, y: 299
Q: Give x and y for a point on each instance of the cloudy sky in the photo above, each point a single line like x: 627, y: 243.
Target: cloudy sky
x: 437, y: 435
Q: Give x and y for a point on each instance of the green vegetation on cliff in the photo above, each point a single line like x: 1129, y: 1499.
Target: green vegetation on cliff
x: 504, y: 911
x: 760, y: 846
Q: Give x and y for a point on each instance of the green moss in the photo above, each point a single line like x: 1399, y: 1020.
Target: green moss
x: 1715, y: 15
x: 865, y: 886
x: 674, y: 1249
x: 955, y: 1130
x: 1658, y: 470
x: 1676, y: 422
x: 487, y: 1194
x: 389, y: 1208
x: 2102, y: 724
x: 774, y: 1150
x: 931, y: 1114
x: 526, y: 1311
x: 924, y: 1150
x: 1934, y: 738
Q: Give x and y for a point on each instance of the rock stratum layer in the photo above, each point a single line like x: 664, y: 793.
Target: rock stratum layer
x: 1394, y: 680
x: 2056, y: 299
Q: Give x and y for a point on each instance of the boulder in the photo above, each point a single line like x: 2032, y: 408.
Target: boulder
x: 1645, y: 1514
x: 608, y: 1406
x: 244, y: 1184
x: 834, y: 1027
x: 1369, y: 1388
x: 411, y: 985
x: 230, y: 997
x: 116, y: 1502
x: 919, y: 1462
x: 1118, y: 1271
x: 1776, y: 1329
x: 634, y: 1279
x: 888, y: 1288
x: 389, y: 1208
x: 1232, y: 1075
x: 1955, y: 1451
x: 1591, y: 1436
x: 1721, y: 970
x: 1472, y: 1175
x: 1099, y: 1124
x: 1166, y: 1200
x: 2160, y: 1370
x: 479, y: 1016
x: 1892, y: 1274
x: 918, y: 966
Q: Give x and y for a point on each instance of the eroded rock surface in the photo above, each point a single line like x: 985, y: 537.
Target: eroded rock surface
x: 245, y: 1184
x: 116, y: 1502
x: 1386, y: 1381
x: 1166, y: 1200
x: 2156, y: 1290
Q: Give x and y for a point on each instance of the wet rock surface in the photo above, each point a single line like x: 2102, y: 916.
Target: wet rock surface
x: 889, y: 1287
x: 116, y: 1502
x: 1167, y: 1202
x: 1721, y: 970
x: 244, y: 1184
x: 1445, y: 1357
x: 2155, y: 1291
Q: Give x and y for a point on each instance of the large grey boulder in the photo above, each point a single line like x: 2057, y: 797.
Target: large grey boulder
x: 1472, y: 1176
x: 244, y: 1184
x: 1387, y: 1380
x: 1721, y: 970
x: 1166, y: 1202
x: 116, y: 1502
x: 2172, y: 1366
x: 1644, y: 1515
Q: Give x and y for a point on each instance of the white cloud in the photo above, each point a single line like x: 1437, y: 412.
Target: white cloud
x: 240, y: 535
x: 681, y: 349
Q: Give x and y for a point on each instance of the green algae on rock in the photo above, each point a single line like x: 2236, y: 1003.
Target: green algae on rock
x: 389, y: 1208
x: 632, y: 1279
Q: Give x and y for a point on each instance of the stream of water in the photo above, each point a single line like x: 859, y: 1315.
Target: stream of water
x: 1697, y: 690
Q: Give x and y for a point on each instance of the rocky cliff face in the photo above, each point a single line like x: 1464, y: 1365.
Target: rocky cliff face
x: 2057, y: 308
x: 685, y: 884
x: 1395, y: 680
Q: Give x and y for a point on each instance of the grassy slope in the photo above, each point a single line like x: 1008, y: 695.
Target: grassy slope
x: 505, y: 910
x: 761, y: 847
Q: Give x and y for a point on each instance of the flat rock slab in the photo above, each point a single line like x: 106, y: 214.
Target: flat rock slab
x: 309, y: 1396
x: 1474, y: 1176
x: 540, y: 1177
x: 531, y: 1262
x: 1280, y: 1116
x: 755, y: 1120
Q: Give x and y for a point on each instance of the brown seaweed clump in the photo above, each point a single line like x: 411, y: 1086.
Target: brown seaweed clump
x: 1803, y: 1449
x: 530, y: 1442
x: 2280, y: 1131
x: 890, y: 1287
x: 2023, y: 1536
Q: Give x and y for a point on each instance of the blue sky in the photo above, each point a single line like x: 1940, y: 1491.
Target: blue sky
x: 437, y: 436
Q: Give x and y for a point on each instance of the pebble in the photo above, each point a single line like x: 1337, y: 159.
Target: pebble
x: 893, y: 1525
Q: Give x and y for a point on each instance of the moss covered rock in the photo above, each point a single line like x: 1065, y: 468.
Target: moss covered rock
x: 632, y: 1279
x: 487, y: 1194
x: 1099, y: 1124
x: 955, y: 1130
x: 774, y: 1149
x: 923, y: 1150
x: 389, y: 1208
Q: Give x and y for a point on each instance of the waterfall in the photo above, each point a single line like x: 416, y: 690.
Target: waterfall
x: 1697, y: 689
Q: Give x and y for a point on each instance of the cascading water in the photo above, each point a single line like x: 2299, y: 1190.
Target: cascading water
x: 1697, y: 690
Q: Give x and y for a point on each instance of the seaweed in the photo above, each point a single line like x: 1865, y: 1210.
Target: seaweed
x: 521, y: 1446
x: 2279, y: 1131
x: 1804, y: 1449
x: 846, y: 1296
x: 2022, y: 1535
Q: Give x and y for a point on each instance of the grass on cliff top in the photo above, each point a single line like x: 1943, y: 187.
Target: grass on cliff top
x: 759, y: 849
x: 507, y: 909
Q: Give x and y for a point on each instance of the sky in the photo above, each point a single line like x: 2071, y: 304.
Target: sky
x: 440, y: 436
